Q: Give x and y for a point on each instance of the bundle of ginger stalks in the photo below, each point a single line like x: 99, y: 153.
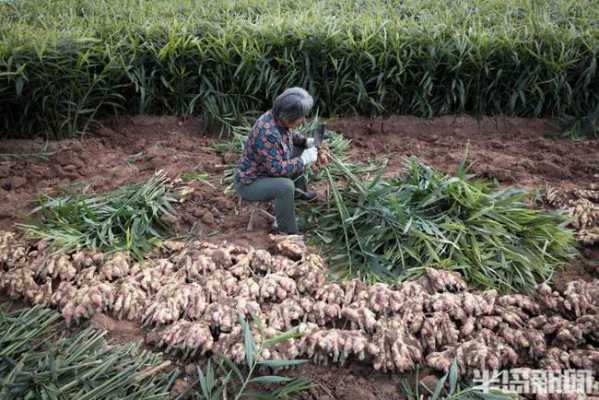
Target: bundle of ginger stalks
x: 36, y: 363
x: 393, y: 229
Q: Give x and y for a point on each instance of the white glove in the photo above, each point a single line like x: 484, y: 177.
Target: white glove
x: 309, y: 155
x: 309, y: 142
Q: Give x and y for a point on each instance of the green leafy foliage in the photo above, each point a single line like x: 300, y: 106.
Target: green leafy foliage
x: 65, y: 63
x: 450, y: 387
x: 393, y: 229
x: 224, y: 380
x: 36, y: 363
x: 580, y: 127
x: 127, y: 219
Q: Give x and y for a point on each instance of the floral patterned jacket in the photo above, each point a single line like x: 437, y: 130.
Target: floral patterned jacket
x: 268, y: 151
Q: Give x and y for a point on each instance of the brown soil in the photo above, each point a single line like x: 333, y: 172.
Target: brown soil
x: 121, y: 331
x: 352, y: 382
x: 512, y: 151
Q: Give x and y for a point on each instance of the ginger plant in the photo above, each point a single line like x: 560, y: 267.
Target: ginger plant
x: 223, y: 379
x: 450, y: 387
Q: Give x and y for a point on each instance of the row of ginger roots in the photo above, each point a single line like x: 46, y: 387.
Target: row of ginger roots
x: 191, y: 296
x: 582, y: 206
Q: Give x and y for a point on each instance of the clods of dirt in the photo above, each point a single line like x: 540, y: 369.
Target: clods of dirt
x: 513, y: 151
x: 352, y: 382
x: 121, y: 331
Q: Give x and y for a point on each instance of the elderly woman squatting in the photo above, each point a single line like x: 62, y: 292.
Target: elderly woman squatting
x: 274, y: 158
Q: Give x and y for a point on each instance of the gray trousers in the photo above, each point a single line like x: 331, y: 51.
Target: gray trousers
x: 280, y: 190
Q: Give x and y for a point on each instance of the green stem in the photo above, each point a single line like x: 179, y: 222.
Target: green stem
x: 249, y: 375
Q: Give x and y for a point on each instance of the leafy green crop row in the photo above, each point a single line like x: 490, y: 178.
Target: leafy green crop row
x: 64, y: 63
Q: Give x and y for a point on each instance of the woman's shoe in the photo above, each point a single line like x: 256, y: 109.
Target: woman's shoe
x: 305, y: 196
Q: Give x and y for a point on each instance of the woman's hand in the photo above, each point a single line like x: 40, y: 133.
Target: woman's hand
x: 309, y: 155
x: 309, y: 143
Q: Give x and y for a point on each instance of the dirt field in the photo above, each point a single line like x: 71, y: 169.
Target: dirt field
x: 512, y: 151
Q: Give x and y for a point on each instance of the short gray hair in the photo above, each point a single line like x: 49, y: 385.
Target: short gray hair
x: 292, y: 104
